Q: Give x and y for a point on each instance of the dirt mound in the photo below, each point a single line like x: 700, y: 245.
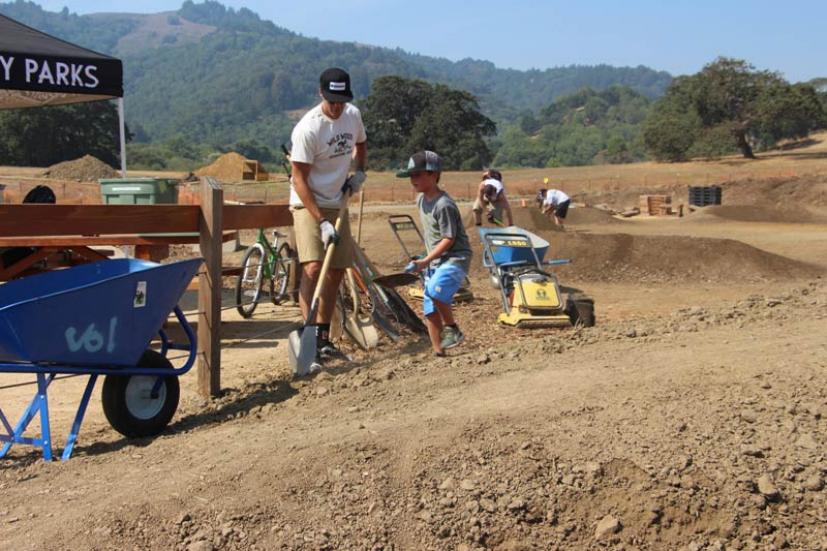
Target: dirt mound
x: 85, y: 169
x: 622, y: 257
x: 806, y: 191
x: 787, y: 214
x: 589, y: 215
x: 618, y: 257
x: 233, y: 167
x: 533, y: 218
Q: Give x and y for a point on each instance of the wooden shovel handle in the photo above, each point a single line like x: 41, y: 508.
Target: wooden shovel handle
x: 361, y: 212
x: 328, y: 256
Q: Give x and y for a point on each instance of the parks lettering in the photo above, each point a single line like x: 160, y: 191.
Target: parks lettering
x: 46, y: 72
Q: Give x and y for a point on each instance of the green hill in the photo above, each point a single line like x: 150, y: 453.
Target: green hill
x: 215, y: 75
x: 587, y: 127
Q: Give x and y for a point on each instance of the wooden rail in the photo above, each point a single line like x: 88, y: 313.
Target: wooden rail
x: 35, y: 219
x: 210, y: 220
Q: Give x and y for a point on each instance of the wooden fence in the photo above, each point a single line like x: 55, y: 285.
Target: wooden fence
x: 209, y: 219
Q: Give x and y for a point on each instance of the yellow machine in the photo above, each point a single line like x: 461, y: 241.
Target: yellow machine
x: 534, y: 298
x: 529, y: 293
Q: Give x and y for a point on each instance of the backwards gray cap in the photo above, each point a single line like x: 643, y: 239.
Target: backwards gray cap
x: 424, y: 161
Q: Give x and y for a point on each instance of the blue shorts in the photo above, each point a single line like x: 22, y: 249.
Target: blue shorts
x: 442, y: 284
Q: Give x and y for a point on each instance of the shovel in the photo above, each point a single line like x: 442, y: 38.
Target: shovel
x: 302, y: 345
x: 357, y: 326
x: 397, y: 280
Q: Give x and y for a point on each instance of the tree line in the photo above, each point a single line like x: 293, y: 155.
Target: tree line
x: 247, y: 77
x: 244, y: 86
x: 728, y: 107
x: 725, y: 108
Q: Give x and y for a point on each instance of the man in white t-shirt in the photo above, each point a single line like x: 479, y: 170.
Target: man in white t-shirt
x: 325, y: 141
x: 554, y: 202
x: 491, y: 195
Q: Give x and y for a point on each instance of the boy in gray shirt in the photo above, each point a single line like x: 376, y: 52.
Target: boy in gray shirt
x: 449, y: 251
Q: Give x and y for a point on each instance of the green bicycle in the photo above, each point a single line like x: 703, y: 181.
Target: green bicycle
x: 261, y: 262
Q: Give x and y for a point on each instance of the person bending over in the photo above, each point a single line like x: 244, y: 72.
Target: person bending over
x: 491, y: 196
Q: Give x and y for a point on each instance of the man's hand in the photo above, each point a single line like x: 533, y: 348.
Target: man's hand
x: 329, y: 235
x: 355, y: 181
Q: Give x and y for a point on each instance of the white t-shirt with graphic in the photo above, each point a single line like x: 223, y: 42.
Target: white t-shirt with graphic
x: 555, y: 197
x: 328, y: 145
x: 497, y: 188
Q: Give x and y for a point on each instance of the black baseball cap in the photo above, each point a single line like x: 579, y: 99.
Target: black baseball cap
x: 335, y: 85
x: 424, y: 161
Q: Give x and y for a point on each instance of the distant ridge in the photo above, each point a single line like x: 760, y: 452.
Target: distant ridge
x: 211, y: 74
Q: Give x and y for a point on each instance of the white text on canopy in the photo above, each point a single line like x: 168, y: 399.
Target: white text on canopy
x: 53, y: 73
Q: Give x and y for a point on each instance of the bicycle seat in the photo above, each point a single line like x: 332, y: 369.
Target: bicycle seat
x: 280, y: 235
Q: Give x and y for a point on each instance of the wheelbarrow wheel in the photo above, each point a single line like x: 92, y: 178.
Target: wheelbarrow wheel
x: 128, y: 402
x: 248, y: 286
x: 580, y: 310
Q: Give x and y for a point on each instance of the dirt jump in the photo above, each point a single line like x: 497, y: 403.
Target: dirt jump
x: 691, y: 417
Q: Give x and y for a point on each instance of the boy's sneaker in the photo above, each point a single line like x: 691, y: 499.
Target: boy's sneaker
x: 451, y: 337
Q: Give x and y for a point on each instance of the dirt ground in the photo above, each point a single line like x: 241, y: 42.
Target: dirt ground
x: 691, y: 417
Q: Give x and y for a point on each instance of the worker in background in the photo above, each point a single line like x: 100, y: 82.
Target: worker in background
x: 554, y: 202
x: 491, y: 196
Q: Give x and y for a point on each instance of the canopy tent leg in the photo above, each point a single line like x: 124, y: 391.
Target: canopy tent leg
x: 123, y: 137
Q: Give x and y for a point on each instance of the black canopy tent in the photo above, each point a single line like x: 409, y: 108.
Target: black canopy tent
x: 37, y: 69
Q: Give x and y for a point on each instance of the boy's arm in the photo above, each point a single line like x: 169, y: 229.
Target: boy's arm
x: 440, y: 249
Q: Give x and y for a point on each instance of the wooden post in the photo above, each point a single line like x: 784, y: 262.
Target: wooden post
x: 209, y: 290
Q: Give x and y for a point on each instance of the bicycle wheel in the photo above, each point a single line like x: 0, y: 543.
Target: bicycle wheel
x: 248, y: 286
x: 381, y: 314
x: 404, y: 313
x: 280, y: 277
x: 393, y: 308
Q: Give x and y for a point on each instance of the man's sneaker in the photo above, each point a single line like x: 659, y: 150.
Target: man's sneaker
x: 316, y: 366
x: 327, y: 351
x: 451, y: 337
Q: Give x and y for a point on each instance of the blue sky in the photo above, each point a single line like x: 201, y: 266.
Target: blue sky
x: 678, y: 36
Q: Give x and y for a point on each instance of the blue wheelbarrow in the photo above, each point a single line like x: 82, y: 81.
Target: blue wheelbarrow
x: 96, y: 319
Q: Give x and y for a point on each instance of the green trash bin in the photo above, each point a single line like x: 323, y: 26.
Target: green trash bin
x: 139, y: 191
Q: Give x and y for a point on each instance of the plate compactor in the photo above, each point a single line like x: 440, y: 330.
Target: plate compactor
x: 530, y: 295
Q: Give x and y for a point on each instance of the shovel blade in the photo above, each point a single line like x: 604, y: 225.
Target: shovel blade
x: 362, y: 332
x: 397, y: 280
x: 293, y: 345
x: 302, y: 351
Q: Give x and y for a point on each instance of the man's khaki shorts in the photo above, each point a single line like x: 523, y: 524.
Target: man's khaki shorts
x: 496, y: 207
x: 309, y: 238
